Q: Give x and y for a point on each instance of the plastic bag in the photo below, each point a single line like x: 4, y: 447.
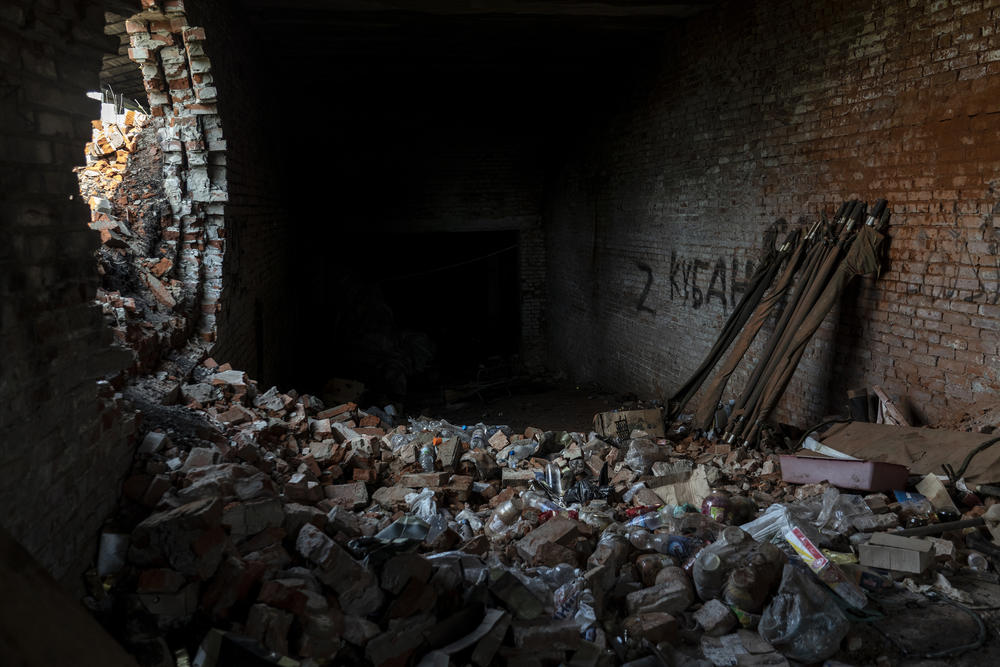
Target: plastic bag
x: 642, y: 453
x: 772, y: 525
x: 839, y: 512
x: 422, y: 504
x: 556, y: 576
x: 777, y: 526
x: 586, y: 490
x: 634, y: 489
x: 802, y: 621
x: 404, y: 528
x: 400, y: 440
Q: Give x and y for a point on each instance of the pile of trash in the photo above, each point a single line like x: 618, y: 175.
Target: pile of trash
x: 290, y: 532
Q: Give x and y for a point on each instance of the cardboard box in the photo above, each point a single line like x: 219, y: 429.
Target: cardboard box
x: 892, y: 552
x: 650, y: 421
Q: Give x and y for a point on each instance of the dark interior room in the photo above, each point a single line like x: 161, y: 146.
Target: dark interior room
x: 660, y: 333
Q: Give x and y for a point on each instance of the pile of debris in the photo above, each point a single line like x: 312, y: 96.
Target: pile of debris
x: 107, y: 153
x: 286, y: 530
x: 142, y: 292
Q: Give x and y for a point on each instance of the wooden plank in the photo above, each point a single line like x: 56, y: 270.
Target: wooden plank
x: 889, y: 409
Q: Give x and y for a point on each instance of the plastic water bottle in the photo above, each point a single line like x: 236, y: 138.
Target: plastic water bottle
x: 649, y: 521
x: 522, y: 450
x: 554, y: 477
x: 532, y: 499
x: 478, y: 440
x: 427, y: 457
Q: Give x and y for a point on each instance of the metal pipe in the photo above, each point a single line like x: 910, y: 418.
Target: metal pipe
x: 938, y: 528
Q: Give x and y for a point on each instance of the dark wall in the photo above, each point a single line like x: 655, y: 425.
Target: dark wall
x: 63, y: 449
x: 760, y: 111
x: 425, y: 126
x: 255, y: 329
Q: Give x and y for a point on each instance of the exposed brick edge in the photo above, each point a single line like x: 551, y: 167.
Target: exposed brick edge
x: 178, y: 80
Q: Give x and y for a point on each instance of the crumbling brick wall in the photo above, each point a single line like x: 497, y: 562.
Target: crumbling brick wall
x: 755, y: 112
x: 61, y: 444
x: 67, y: 439
x: 253, y: 324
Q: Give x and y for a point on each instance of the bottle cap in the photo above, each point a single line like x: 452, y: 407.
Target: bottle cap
x: 710, y: 562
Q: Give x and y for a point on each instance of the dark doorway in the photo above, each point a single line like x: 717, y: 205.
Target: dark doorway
x: 424, y: 315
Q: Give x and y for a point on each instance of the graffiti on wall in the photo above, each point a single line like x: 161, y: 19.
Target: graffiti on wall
x: 698, y: 283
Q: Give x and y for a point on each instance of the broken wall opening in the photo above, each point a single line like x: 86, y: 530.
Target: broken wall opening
x: 155, y: 181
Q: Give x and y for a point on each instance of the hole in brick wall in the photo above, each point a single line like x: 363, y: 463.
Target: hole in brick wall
x: 155, y: 182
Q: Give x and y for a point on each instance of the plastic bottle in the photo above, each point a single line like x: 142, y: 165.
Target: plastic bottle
x: 641, y: 539
x: 649, y: 565
x: 504, y: 516
x: 465, y: 530
x: 714, y: 563
x: 678, y: 546
x: 554, y: 477
x: 649, y: 521
x: 978, y: 561
x: 478, y: 440
x: 698, y: 525
x: 539, y: 502
x: 748, y: 586
x: 523, y: 449
x: 612, y: 550
x: 428, y: 456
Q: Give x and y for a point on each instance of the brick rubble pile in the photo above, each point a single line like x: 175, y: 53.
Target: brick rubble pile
x: 328, y: 534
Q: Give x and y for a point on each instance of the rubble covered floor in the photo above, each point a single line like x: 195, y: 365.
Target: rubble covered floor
x: 268, y: 524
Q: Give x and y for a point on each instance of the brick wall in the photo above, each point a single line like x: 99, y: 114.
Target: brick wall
x: 63, y: 448
x: 757, y: 111
x: 65, y: 439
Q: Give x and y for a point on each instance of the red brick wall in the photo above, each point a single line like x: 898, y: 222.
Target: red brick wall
x: 755, y: 111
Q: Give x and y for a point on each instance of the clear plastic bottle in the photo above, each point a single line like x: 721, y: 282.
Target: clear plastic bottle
x: 649, y: 521
x: 540, y: 502
x: 612, y: 550
x: 978, y: 561
x: 478, y: 440
x: 641, y: 539
x: 554, y: 477
x: 428, y: 456
x: 504, y: 516
x: 522, y: 450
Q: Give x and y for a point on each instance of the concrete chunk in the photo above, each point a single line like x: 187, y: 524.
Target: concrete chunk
x: 353, y: 495
x: 672, y: 596
x: 715, y: 618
